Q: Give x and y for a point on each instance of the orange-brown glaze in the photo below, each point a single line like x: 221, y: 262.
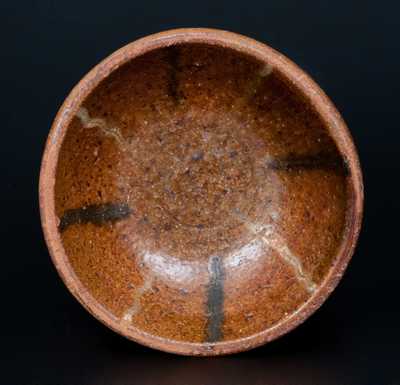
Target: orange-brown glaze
x: 208, y: 199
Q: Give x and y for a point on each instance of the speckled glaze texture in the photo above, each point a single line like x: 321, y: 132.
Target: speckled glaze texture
x: 199, y: 193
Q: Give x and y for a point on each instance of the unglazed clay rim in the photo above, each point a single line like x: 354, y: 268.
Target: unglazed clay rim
x: 314, y: 96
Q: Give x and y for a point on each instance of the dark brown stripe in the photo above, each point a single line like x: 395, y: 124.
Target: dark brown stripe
x: 96, y: 214
x: 215, y: 300
x: 173, y: 82
x: 320, y: 161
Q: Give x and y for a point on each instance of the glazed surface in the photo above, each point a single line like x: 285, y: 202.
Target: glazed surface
x: 200, y: 198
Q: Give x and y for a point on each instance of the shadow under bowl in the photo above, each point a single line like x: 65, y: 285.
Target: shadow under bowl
x: 199, y: 193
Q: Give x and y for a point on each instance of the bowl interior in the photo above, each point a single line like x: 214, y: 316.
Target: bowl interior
x: 200, y: 198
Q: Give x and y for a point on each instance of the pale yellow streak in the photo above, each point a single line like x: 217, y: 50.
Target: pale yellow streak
x: 272, y: 239
x: 88, y: 122
x: 135, y: 308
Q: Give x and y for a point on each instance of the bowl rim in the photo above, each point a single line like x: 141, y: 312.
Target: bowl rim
x: 313, y: 95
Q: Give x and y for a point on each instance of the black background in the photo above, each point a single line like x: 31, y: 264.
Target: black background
x: 351, y: 48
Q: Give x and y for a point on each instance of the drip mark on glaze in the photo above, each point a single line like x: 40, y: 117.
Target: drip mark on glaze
x: 257, y: 81
x: 215, y: 300
x: 107, y: 130
x: 135, y: 308
x: 324, y: 161
x: 96, y: 214
x: 272, y: 239
x: 173, y: 81
x: 265, y: 70
x: 88, y: 122
x: 279, y: 245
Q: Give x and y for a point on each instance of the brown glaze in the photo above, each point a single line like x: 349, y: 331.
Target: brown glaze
x: 199, y: 193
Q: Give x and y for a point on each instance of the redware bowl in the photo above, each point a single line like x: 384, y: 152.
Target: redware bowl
x: 199, y: 193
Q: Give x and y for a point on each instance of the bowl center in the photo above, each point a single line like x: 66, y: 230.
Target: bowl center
x: 201, y: 174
